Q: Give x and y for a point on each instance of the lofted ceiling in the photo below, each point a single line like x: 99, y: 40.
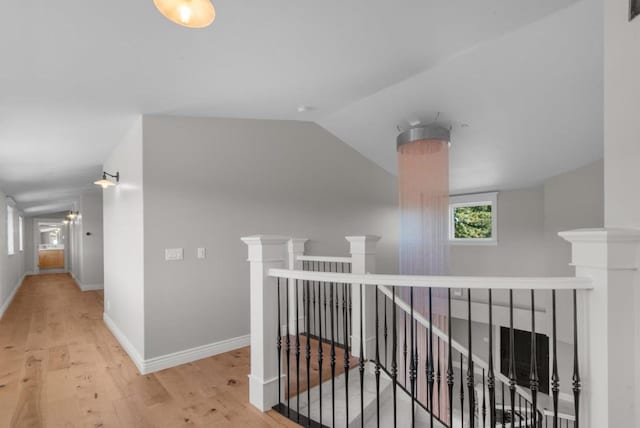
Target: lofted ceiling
x: 524, y: 75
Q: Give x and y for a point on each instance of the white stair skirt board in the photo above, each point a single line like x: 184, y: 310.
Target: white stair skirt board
x: 176, y: 358
x: 7, y: 302
x: 386, y: 402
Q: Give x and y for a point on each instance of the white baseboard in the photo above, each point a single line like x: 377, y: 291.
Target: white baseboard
x: 124, y: 342
x: 193, y: 354
x: 90, y: 287
x: 86, y: 287
x: 176, y: 358
x: 6, y: 304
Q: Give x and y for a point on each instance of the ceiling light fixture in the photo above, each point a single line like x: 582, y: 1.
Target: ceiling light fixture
x: 104, y: 182
x: 188, y: 13
x: 72, y: 214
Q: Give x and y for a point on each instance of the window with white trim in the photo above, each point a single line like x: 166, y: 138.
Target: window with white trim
x: 473, y: 219
x: 20, y: 233
x: 10, y: 230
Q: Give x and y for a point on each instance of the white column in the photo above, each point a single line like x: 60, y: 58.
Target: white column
x: 607, y: 324
x: 295, y: 248
x: 363, y: 260
x: 265, y: 252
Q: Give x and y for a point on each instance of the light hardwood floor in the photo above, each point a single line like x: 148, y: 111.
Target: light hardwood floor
x: 61, y: 367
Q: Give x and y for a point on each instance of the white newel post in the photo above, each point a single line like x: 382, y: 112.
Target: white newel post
x: 295, y: 248
x: 265, y: 252
x: 363, y: 260
x: 607, y: 324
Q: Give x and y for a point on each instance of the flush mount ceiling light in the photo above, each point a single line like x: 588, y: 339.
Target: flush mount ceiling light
x: 105, y: 182
x: 188, y: 13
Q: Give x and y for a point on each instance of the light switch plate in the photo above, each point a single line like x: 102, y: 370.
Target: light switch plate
x: 173, y: 254
x: 202, y: 253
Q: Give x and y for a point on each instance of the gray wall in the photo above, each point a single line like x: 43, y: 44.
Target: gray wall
x: 87, y: 250
x: 573, y: 200
x: 12, y: 268
x: 208, y: 182
x: 519, y: 251
x: 528, y: 224
x: 123, y: 240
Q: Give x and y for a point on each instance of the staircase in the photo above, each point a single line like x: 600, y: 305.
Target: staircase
x: 369, y: 402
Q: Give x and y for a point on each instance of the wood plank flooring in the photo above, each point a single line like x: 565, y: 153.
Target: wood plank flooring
x: 61, y: 367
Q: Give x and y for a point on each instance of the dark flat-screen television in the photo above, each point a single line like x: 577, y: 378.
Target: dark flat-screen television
x: 522, y: 348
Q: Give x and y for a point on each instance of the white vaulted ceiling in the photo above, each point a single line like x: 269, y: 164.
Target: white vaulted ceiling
x: 74, y: 74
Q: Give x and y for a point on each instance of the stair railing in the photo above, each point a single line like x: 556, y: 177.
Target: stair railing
x: 273, y: 384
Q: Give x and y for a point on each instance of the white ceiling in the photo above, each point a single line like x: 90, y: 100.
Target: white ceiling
x: 75, y: 73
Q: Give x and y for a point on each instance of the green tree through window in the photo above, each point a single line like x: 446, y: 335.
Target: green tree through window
x: 473, y: 222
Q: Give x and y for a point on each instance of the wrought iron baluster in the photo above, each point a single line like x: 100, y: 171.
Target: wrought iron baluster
x: 320, y: 351
x: 412, y: 366
x: 385, y: 331
x: 470, y: 374
x: 313, y: 301
x: 377, y: 372
x: 404, y: 349
x: 484, y: 403
x: 332, y: 360
x: 361, y: 361
x: 533, y: 376
x: 279, y: 333
x: 555, y: 378
x: 576, y: 369
x: 438, y: 377
x: 450, y: 378
x: 512, y: 362
x: 461, y: 390
x: 394, y: 359
x: 491, y: 382
x: 345, y: 291
x: 297, y: 352
x: 324, y: 298
x: 430, y: 370
x: 307, y: 349
x: 288, y: 348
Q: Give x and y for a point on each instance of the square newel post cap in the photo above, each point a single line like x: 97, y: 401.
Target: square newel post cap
x: 609, y: 248
x: 266, y: 247
x: 363, y: 244
x: 297, y: 244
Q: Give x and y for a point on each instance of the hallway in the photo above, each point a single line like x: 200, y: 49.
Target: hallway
x: 61, y: 367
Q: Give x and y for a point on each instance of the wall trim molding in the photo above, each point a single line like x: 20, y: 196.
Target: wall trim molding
x: 124, y: 342
x: 6, y: 304
x: 174, y: 359
x: 86, y: 287
x: 197, y: 353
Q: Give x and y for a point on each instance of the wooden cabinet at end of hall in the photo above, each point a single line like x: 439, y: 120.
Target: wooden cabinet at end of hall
x: 50, y: 259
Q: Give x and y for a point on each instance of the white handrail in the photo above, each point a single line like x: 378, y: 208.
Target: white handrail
x: 327, y: 259
x: 473, y: 282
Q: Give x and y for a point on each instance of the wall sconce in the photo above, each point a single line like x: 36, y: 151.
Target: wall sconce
x: 105, y: 181
x: 73, y: 214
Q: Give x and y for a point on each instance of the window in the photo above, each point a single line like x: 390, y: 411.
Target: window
x: 473, y: 219
x: 20, y: 233
x: 10, y: 230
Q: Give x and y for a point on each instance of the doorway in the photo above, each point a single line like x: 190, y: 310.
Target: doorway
x: 50, y: 239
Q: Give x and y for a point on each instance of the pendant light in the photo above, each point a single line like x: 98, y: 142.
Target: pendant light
x: 188, y: 13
